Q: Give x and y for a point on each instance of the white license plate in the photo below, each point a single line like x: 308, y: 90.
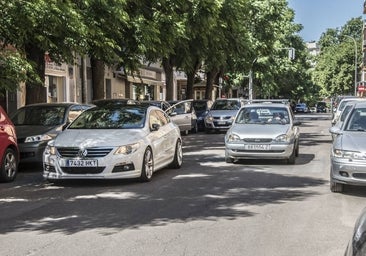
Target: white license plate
x: 221, y: 122
x: 83, y: 163
x: 258, y: 147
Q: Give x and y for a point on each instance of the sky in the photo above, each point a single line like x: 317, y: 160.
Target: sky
x: 317, y: 16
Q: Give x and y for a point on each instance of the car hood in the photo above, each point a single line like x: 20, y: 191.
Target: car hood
x: 24, y: 131
x: 355, y: 141
x: 223, y: 112
x: 259, y: 130
x: 98, y: 138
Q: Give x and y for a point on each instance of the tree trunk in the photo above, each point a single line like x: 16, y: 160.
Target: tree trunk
x: 211, y: 75
x: 190, y: 79
x: 35, y: 92
x: 97, y: 67
x: 169, y: 79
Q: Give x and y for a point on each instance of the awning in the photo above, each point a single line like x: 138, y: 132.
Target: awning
x: 140, y: 80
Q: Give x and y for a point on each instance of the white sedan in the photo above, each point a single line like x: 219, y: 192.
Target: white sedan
x: 263, y: 131
x: 114, y: 141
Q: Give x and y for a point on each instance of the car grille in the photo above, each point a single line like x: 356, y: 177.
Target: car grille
x: 359, y: 175
x: 83, y: 170
x: 221, y: 117
x: 257, y: 140
x: 90, y: 152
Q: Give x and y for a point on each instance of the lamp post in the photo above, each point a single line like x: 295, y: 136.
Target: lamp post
x: 354, y: 40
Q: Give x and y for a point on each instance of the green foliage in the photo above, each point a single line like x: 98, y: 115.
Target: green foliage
x: 335, y: 68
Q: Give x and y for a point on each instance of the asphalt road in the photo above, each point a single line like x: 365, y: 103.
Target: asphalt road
x: 207, y: 207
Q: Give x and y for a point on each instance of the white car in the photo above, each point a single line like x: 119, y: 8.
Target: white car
x: 114, y: 141
x: 341, y: 106
x: 263, y: 131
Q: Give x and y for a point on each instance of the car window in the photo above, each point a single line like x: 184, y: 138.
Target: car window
x: 74, y: 111
x: 263, y: 115
x: 40, y: 115
x: 357, y: 120
x: 226, y: 105
x: 158, y: 117
x: 200, y: 105
x: 110, y: 118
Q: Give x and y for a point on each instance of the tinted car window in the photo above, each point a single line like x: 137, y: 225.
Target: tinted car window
x: 110, y: 118
x: 226, y: 105
x: 40, y: 115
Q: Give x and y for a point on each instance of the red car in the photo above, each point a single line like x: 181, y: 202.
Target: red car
x: 9, y: 153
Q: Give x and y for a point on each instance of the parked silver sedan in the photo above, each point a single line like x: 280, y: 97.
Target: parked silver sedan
x: 114, y: 141
x: 348, y: 152
x: 263, y: 131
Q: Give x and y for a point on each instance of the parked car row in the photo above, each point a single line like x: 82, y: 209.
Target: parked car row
x: 72, y: 140
x: 348, y: 151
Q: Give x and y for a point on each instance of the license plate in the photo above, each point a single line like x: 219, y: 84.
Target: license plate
x: 258, y: 147
x: 83, y: 163
x: 221, y: 122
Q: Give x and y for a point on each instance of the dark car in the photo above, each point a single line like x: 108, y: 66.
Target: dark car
x: 36, y: 124
x: 302, y: 108
x: 9, y: 153
x: 357, y: 243
x: 201, y: 107
x: 321, y: 107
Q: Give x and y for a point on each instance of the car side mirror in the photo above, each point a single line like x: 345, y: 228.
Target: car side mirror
x: 155, y: 127
x: 335, y: 130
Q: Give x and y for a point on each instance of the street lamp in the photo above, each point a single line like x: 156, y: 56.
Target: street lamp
x: 354, y: 40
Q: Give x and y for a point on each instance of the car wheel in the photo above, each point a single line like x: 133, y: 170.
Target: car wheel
x: 178, y: 156
x: 229, y: 160
x: 147, y: 166
x: 9, y: 167
x: 291, y: 159
x: 336, y: 187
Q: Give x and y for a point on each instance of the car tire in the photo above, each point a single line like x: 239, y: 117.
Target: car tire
x: 336, y: 187
x: 178, y: 156
x: 291, y: 159
x: 9, y: 167
x: 229, y: 160
x: 147, y: 169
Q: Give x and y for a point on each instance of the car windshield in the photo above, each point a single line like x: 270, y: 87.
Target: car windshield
x: 357, y: 120
x: 111, y: 117
x: 40, y: 115
x: 263, y: 115
x: 226, y: 105
x: 200, y: 106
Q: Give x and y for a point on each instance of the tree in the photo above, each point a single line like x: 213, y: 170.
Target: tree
x: 334, y: 71
x: 36, y: 27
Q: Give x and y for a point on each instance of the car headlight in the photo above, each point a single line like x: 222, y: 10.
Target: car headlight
x: 209, y: 119
x: 127, y: 149
x: 233, y: 138
x: 283, y: 138
x: 348, y: 154
x: 50, y: 149
x: 38, y: 138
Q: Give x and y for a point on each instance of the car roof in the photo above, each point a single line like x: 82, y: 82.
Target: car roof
x: 360, y: 104
x: 54, y: 104
x: 275, y: 105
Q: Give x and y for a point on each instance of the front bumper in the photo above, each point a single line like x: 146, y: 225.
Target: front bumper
x: 108, y: 167
x: 31, y: 152
x: 348, y: 172
x: 274, y: 151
